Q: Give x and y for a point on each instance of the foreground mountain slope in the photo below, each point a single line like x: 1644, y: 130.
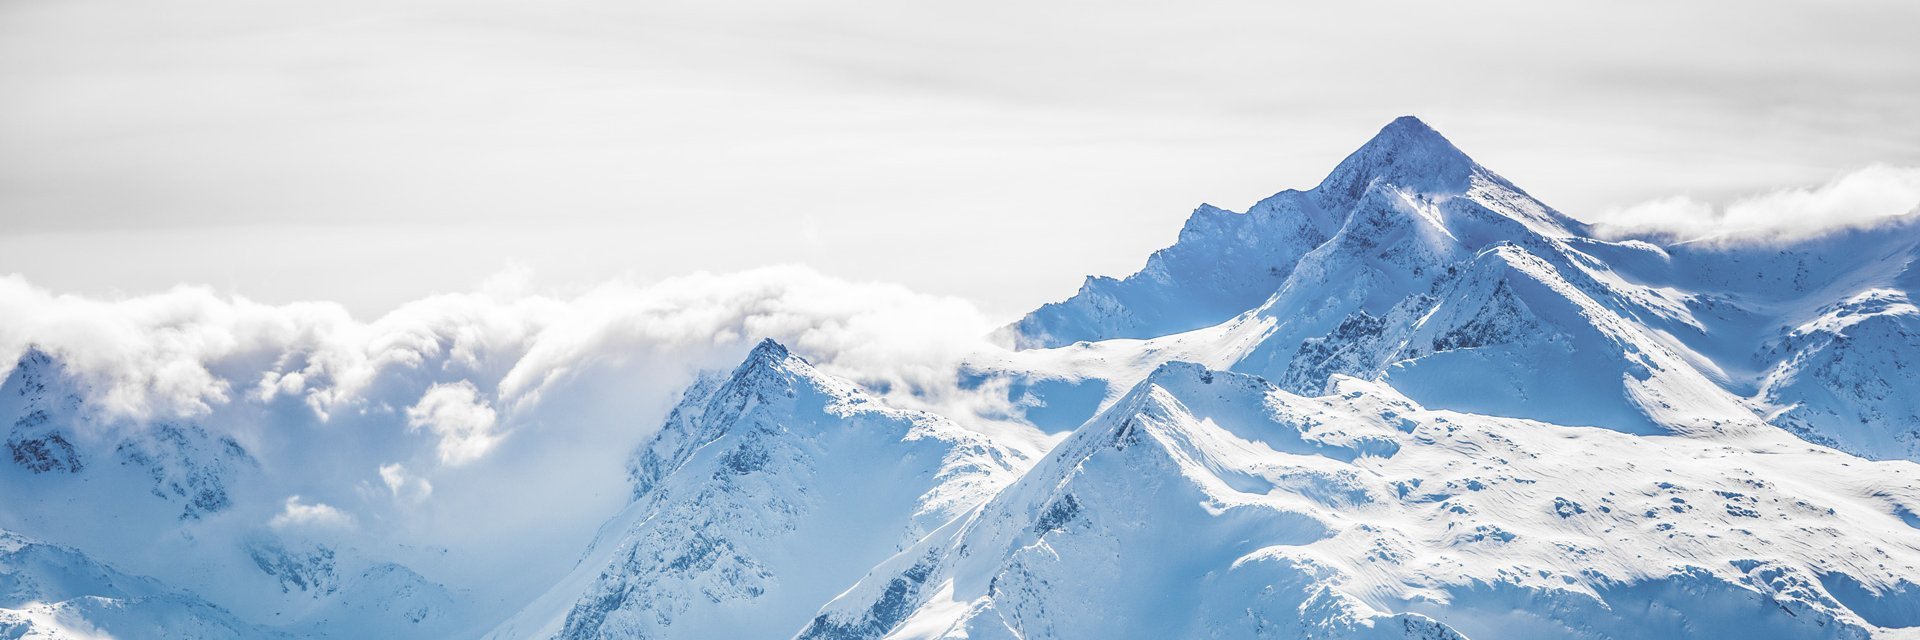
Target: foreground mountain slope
x: 763, y: 496
x: 1849, y: 382
x: 1207, y: 504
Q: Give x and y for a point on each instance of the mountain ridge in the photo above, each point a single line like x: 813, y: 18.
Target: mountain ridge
x: 1410, y: 402
x: 1074, y: 548
x: 1406, y: 156
x: 759, y: 491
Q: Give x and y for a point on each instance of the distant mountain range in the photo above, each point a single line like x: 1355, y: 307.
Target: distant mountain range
x: 1410, y: 402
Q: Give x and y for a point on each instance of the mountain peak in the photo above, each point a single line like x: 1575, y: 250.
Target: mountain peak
x: 768, y: 349
x: 35, y: 356
x: 768, y: 354
x: 1408, y: 134
x: 768, y: 363
x: 34, y: 363
x: 1406, y: 152
x: 1410, y: 123
x: 34, y: 372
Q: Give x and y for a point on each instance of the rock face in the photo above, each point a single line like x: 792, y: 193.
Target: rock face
x: 309, y: 571
x: 765, y: 494
x: 187, y: 464
x: 38, y: 441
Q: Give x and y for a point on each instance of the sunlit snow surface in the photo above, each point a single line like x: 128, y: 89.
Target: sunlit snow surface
x: 1211, y: 504
x: 1411, y: 402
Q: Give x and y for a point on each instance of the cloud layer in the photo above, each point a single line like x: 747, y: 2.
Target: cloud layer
x: 414, y: 431
x: 1869, y: 197
x: 467, y: 368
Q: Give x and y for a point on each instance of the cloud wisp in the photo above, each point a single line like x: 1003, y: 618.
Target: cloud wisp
x: 404, y: 485
x: 456, y: 414
x: 303, y: 514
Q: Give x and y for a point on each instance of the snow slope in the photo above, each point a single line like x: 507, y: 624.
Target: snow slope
x: 49, y: 591
x: 1848, y: 382
x: 763, y: 496
x: 1403, y: 507
x: 1208, y: 504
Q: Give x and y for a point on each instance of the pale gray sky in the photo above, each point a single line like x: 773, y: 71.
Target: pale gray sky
x: 374, y: 151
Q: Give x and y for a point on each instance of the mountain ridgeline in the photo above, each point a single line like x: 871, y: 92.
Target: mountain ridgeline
x: 1412, y: 264
x: 1420, y: 404
x: 1410, y: 402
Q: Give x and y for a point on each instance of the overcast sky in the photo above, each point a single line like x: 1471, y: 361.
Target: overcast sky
x: 371, y: 152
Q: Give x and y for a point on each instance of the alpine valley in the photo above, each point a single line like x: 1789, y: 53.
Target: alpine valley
x: 1410, y: 402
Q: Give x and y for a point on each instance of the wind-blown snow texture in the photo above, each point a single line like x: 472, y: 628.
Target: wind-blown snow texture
x: 1210, y: 504
x: 1410, y: 402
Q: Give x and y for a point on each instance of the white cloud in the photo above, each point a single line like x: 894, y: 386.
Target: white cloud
x: 456, y: 414
x: 509, y: 399
x: 1872, y: 196
x: 403, y: 485
x: 876, y: 330
x: 433, y: 389
x: 300, y: 514
x: 188, y: 352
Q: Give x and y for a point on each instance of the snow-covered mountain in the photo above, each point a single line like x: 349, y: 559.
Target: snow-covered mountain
x: 1209, y: 504
x: 40, y: 438
x: 1225, y: 263
x: 1460, y: 290
x: 765, y: 494
x: 1412, y: 401
x: 174, y: 499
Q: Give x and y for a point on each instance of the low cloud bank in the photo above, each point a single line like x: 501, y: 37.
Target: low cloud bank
x: 407, y: 436
x: 1870, y: 197
x: 463, y: 367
